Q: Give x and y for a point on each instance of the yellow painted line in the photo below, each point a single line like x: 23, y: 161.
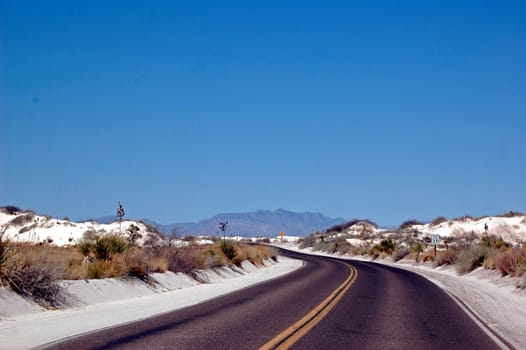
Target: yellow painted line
x: 292, y: 334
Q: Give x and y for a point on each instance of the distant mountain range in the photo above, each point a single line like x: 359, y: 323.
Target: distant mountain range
x: 258, y: 223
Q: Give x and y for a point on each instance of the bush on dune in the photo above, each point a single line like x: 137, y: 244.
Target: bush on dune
x: 448, y: 257
x: 512, y: 262
x: 30, y: 273
x: 471, y: 258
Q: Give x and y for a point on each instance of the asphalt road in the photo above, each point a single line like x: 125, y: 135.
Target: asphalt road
x: 385, y: 308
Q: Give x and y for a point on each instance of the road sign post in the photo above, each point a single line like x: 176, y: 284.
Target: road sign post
x: 282, y: 234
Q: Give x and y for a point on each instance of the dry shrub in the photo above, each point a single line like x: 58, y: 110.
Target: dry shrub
x: 34, y: 270
x: 400, y: 253
x: 184, y: 259
x: 490, y: 262
x: 141, y: 262
x: 138, y: 263
x: 447, y: 257
x: 413, y: 256
x: 308, y: 241
x: 361, y: 250
x: 33, y: 273
x: 428, y: 255
x: 512, y: 262
x: 5, y: 257
x: 256, y: 254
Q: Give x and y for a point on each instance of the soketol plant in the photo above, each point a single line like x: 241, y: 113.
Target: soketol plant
x: 104, y: 247
x: 229, y: 249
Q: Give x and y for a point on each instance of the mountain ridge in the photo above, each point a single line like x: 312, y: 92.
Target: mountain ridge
x: 260, y: 223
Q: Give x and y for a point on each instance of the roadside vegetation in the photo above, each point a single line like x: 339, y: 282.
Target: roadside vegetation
x: 466, y: 251
x: 35, y: 271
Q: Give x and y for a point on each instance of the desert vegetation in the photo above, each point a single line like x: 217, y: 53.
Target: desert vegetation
x: 35, y: 271
x: 466, y: 251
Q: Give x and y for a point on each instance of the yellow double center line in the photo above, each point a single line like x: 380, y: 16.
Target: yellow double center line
x: 292, y: 334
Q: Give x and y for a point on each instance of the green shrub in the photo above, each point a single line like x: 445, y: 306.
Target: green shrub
x: 341, y: 227
x: 468, y: 260
x: 229, y: 249
x: 85, y: 247
x: 10, y: 209
x: 308, y: 241
x: 106, y: 246
x: 386, y: 245
x: 409, y: 223
x: 418, y: 246
x: 495, y: 242
x: 22, y: 219
x: 512, y: 214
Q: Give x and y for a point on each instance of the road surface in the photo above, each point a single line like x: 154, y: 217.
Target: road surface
x: 357, y: 305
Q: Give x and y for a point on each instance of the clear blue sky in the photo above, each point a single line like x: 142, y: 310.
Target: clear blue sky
x: 387, y: 110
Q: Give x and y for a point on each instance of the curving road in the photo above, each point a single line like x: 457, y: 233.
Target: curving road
x: 383, y: 308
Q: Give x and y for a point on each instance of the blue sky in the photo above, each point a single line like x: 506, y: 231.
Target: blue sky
x: 386, y: 110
